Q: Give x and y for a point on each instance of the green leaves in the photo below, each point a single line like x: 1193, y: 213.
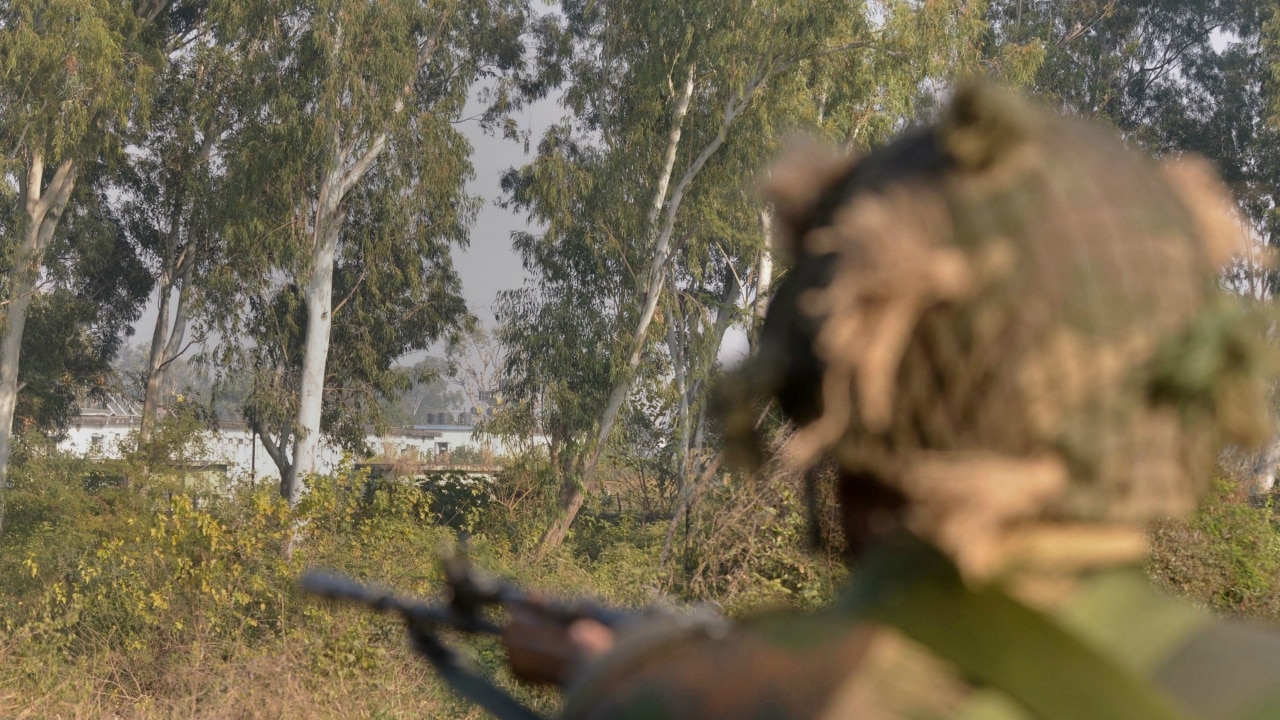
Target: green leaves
x: 345, y: 162
x: 72, y: 74
x: 645, y: 192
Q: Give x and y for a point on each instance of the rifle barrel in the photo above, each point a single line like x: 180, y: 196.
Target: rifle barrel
x: 340, y: 587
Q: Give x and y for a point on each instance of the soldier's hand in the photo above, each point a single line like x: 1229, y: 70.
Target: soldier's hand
x: 545, y: 650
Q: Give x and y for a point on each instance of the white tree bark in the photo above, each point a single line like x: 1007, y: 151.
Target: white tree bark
x: 677, y: 339
x: 764, y: 276
x: 315, y: 352
x: 326, y: 231
x: 656, y: 275
x: 155, y: 362
x: 179, y: 266
x: 41, y: 212
x: 166, y: 339
x: 345, y: 170
x: 571, y: 489
x: 676, y: 346
x: 673, y: 145
x: 691, y: 432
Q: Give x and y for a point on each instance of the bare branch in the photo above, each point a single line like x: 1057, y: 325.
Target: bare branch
x: 361, y: 166
x: 272, y: 449
x: 359, y: 280
x: 171, y: 351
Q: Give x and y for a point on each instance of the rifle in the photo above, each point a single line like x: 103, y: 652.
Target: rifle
x: 471, y: 595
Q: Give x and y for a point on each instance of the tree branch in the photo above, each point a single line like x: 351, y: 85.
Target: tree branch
x: 359, y: 280
x: 673, y: 143
x: 171, y: 350
x: 149, y: 10
x: 277, y: 456
x: 55, y: 201
x: 361, y: 166
x: 31, y: 186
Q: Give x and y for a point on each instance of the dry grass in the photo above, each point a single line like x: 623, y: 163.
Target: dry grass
x: 279, y: 680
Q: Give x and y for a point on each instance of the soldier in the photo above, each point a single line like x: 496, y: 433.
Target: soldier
x: 1007, y: 334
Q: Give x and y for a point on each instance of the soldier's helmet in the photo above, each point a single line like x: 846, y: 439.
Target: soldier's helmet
x: 1010, y: 312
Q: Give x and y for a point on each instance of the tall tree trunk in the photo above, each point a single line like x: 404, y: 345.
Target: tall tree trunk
x: 166, y: 345
x: 764, y: 278
x: 692, y: 441
x: 572, y: 496
x: 677, y: 345
x: 40, y: 212
x: 656, y: 275
x: 572, y: 491
x: 166, y: 339
x: 10, y: 347
x: 275, y: 446
x: 669, y: 157
x: 346, y: 167
x: 330, y: 215
x: 676, y: 341
x: 155, y: 360
x: 315, y: 353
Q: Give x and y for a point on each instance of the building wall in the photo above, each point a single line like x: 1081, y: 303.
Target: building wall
x: 236, y: 446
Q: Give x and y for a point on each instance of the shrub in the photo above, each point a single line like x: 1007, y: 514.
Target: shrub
x: 458, y: 499
x: 125, y: 592
x: 1226, y: 557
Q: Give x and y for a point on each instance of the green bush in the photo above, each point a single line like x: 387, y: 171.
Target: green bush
x: 124, y: 591
x: 1226, y: 557
x: 127, y: 601
x: 457, y: 499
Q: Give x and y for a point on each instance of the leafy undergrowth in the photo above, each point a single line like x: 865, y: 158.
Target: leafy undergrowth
x: 1226, y: 557
x: 151, y: 599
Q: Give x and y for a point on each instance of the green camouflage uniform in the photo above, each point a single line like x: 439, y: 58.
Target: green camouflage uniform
x: 1006, y: 331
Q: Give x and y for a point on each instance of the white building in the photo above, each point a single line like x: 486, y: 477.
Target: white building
x: 104, y: 433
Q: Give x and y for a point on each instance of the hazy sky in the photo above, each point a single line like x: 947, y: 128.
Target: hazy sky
x: 489, y: 265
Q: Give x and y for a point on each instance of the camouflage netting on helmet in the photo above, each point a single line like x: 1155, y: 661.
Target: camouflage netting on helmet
x: 1016, y: 283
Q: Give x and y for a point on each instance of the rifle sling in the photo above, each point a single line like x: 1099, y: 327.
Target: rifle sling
x: 996, y: 640
x: 471, y: 685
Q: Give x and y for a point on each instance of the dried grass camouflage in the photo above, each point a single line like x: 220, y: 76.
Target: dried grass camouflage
x: 1017, y: 283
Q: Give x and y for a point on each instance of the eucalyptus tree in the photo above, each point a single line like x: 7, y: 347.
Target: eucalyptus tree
x: 1127, y: 63
x: 172, y: 189
x: 667, y: 98
x: 722, y: 272
x: 353, y: 173
x: 1171, y: 75
x: 91, y: 291
x: 73, y: 77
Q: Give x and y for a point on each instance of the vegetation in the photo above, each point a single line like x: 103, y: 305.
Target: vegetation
x: 160, y: 597
x: 151, y: 599
x: 288, y: 180
x: 1227, y: 557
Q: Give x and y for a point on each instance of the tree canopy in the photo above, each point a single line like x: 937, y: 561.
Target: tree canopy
x: 288, y: 181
